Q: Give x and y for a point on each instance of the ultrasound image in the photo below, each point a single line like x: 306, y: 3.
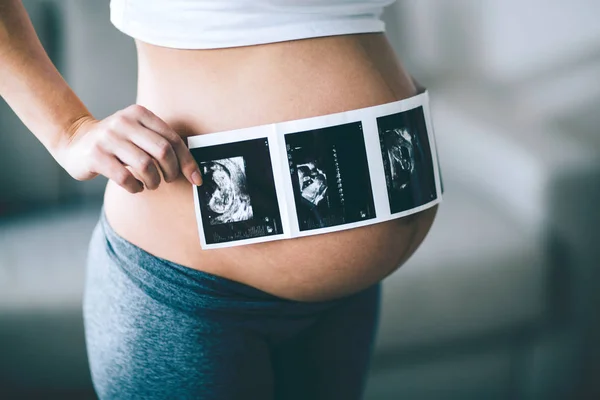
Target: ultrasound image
x: 238, y: 199
x: 312, y: 181
x: 398, y: 145
x: 330, y: 176
x: 407, y: 159
x: 226, y: 193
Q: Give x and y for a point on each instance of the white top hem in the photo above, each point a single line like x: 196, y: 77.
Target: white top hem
x: 223, y: 39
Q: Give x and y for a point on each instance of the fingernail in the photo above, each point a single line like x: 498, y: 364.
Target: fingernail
x: 196, y: 178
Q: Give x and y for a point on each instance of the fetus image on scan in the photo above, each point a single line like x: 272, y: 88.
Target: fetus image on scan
x: 407, y: 159
x: 226, y: 192
x: 312, y: 182
x: 400, y: 155
x: 330, y: 176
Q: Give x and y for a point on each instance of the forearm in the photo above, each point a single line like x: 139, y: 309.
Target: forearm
x: 31, y: 84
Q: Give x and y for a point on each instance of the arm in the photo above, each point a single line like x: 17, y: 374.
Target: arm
x: 132, y: 143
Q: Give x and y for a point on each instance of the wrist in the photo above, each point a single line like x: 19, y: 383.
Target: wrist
x: 70, y: 132
x: 75, y: 128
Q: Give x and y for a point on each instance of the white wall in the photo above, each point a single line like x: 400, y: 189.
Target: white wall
x: 498, y: 40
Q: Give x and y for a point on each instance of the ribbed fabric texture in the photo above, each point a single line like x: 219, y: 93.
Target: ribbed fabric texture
x: 159, y: 330
x: 204, y: 24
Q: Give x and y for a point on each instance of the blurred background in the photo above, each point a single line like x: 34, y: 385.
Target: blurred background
x: 501, y: 301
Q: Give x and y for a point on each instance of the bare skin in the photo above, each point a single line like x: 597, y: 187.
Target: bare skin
x: 226, y: 89
x: 148, y: 200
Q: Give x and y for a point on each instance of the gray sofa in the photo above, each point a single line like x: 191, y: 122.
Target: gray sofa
x: 497, y: 303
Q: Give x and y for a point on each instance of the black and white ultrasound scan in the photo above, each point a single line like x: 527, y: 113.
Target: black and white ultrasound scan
x: 330, y: 176
x: 228, y: 199
x: 407, y: 159
x: 316, y: 175
x: 238, y: 197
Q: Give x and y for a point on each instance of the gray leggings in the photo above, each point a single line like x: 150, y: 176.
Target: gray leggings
x: 159, y: 330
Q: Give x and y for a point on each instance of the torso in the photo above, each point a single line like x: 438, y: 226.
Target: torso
x: 203, y: 91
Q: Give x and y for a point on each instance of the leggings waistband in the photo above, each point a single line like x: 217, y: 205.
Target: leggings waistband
x: 190, y: 289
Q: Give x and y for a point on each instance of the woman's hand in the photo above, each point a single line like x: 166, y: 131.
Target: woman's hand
x: 133, y: 147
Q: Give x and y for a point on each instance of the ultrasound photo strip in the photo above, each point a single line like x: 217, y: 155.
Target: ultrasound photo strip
x: 316, y: 175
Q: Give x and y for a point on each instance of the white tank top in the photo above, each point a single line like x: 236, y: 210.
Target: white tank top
x: 209, y: 24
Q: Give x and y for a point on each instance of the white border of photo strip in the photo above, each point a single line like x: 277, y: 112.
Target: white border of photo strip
x: 274, y: 133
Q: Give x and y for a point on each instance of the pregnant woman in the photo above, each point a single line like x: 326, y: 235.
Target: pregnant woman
x: 286, y: 319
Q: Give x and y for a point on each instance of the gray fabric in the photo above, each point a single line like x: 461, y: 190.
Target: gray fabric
x: 159, y: 330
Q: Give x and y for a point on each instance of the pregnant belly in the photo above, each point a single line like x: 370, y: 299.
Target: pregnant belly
x: 199, y: 92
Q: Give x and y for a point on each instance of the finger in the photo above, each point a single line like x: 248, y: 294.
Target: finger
x: 187, y: 164
x: 111, y: 168
x: 160, y: 149
x: 141, y: 163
